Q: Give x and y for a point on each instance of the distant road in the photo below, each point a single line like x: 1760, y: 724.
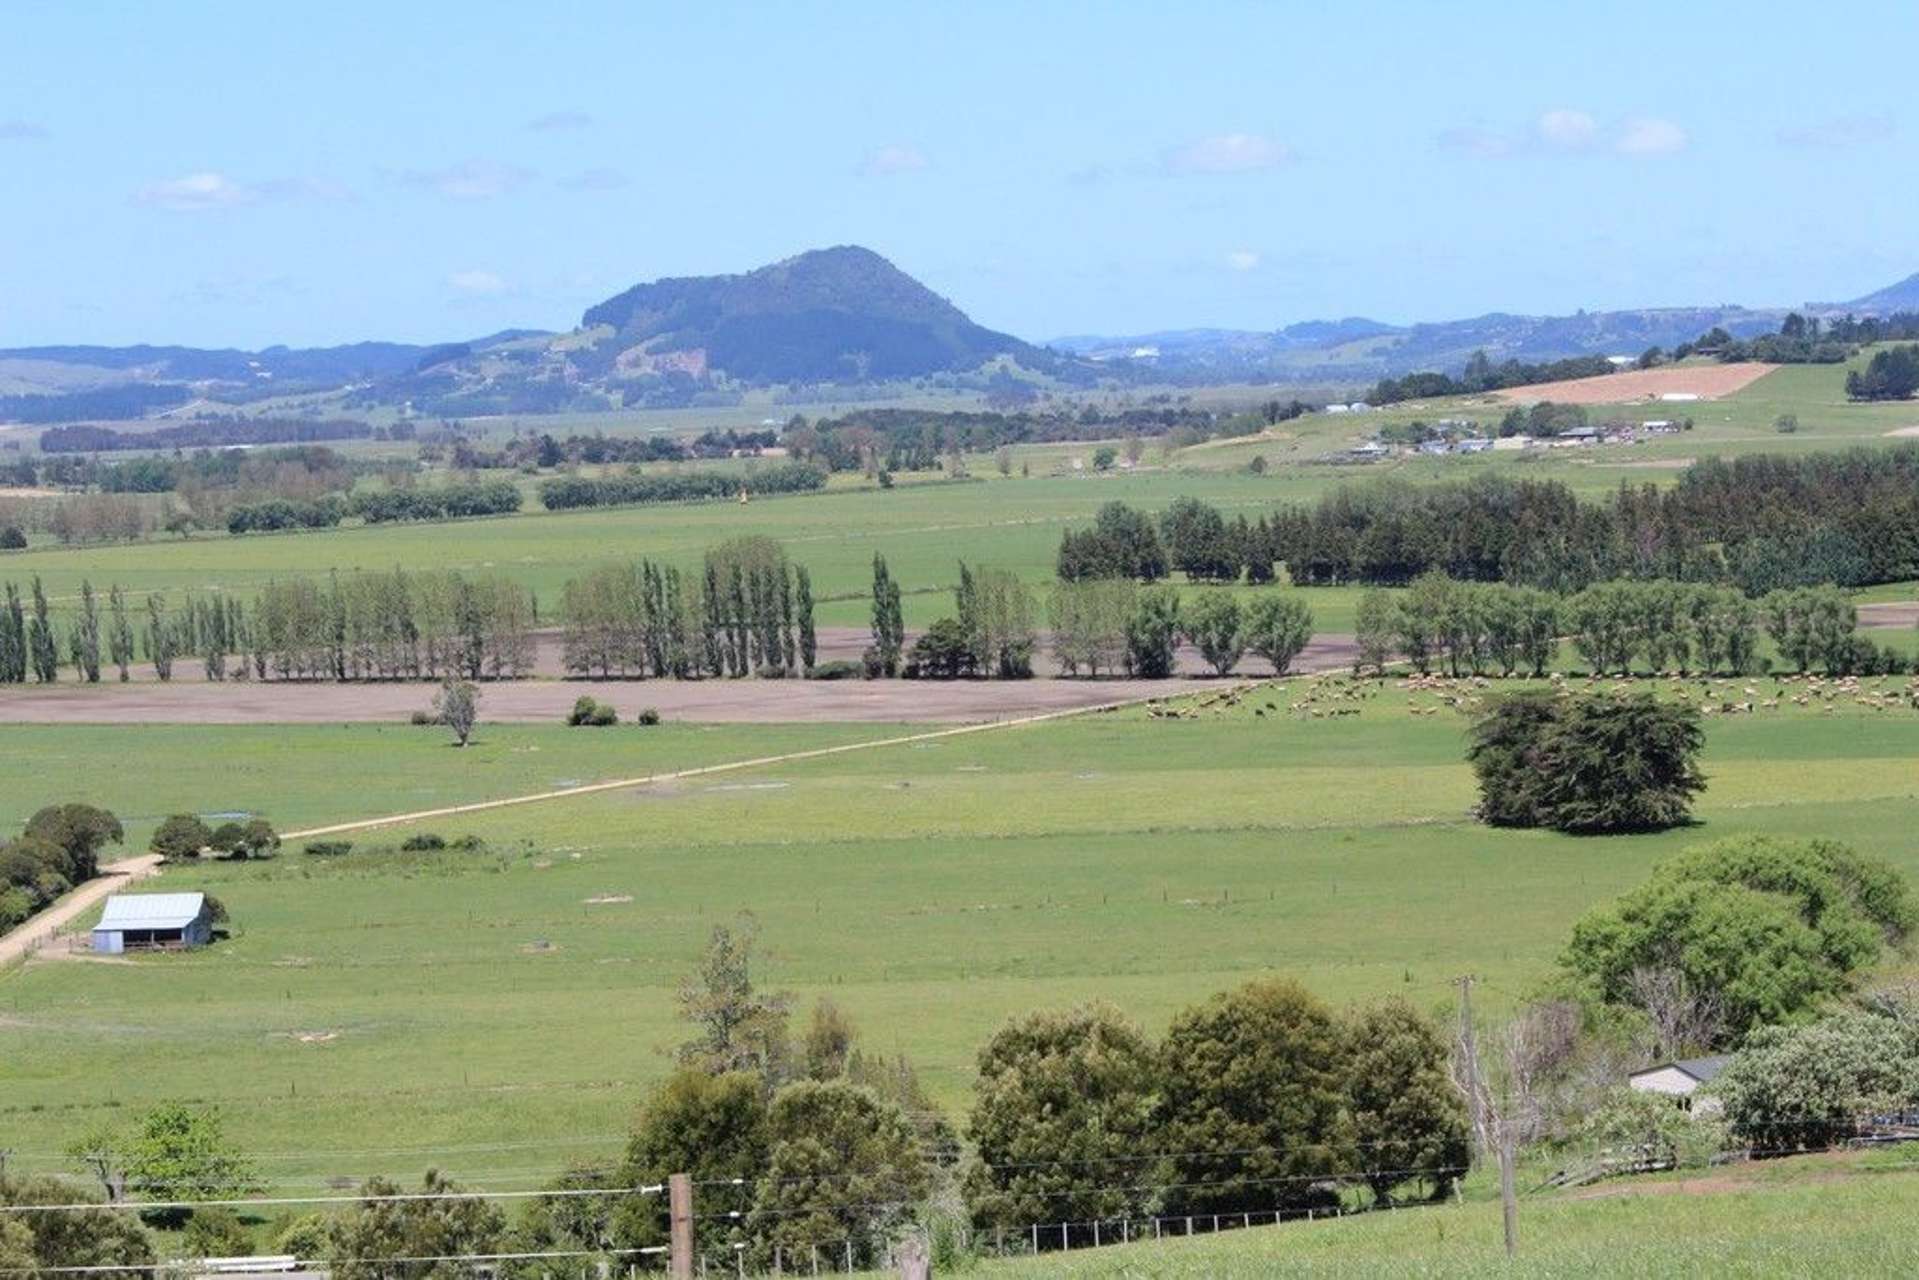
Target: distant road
x: 112, y: 878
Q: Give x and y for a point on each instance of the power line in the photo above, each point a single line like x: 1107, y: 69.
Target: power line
x: 383, y: 1198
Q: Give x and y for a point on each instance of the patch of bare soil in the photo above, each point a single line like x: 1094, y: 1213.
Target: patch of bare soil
x: 1705, y: 381
x: 1904, y: 431
x: 188, y: 699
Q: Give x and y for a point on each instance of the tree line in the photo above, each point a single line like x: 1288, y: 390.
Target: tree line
x: 749, y: 612
x: 1480, y: 374
x: 203, y: 433
x: 571, y: 492
x: 1758, y: 522
x: 59, y: 849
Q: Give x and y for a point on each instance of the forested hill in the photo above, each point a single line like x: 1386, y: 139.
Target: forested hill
x: 829, y: 315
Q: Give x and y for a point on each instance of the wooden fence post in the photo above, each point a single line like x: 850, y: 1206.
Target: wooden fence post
x: 679, y: 1195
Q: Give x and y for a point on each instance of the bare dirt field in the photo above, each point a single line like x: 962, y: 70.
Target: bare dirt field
x: 1899, y: 613
x: 1706, y: 381
x: 187, y: 699
x: 1904, y: 431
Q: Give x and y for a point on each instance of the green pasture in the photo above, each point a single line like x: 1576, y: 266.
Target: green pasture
x: 505, y: 1009
x: 1834, y: 1216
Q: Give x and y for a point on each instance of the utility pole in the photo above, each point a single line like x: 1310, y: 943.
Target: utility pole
x: 679, y: 1195
x: 1469, y: 1044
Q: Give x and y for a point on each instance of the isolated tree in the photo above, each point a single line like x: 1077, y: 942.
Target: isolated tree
x: 1587, y: 765
x: 181, y: 1152
x: 1062, y: 1120
x: 1152, y: 632
x: 1278, y: 628
x: 1375, y: 626
x: 1409, y: 1122
x: 1770, y: 926
x: 842, y: 1166
x: 1254, y: 1104
x: 180, y: 836
x: 739, y: 1028
x: 1215, y: 624
x: 457, y: 706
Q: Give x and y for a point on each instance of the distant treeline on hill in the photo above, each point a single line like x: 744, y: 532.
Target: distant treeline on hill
x: 597, y: 450
x: 571, y: 492
x: 1481, y: 374
x: 914, y: 440
x: 135, y: 400
x: 204, y: 433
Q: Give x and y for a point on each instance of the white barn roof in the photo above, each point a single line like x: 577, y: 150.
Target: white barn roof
x: 152, y: 910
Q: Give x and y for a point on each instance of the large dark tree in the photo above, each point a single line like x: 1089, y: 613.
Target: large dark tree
x: 1587, y: 765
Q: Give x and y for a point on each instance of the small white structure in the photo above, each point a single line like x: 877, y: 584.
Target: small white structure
x: 135, y: 921
x: 1681, y: 1078
x: 1513, y: 442
x: 1679, y: 396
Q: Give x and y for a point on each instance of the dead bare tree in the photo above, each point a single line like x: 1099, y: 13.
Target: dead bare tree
x: 1683, y: 1018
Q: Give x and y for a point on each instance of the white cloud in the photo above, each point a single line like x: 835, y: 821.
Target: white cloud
x: 1242, y: 259
x: 476, y: 282
x: 1840, y: 132
x: 196, y: 193
x: 1650, y: 136
x: 560, y: 122
x: 595, y: 180
x: 1228, y: 153
x: 1479, y: 142
x: 22, y: 131
x: 886, y: 162
x: 1566, y: 128
x: 469, y: 180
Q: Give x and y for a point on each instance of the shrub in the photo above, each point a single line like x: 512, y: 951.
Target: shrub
x: 587, y: 711
x: 422, y: 842
x: 216, y: 1232
x: 11, y: 539
x: 468, y: 843
x: 942, y: 652
x: 838, y: 669
x: 647, y: 716
x: 424, y: 718
x: 327, y: 848
x: 1811, y: 1086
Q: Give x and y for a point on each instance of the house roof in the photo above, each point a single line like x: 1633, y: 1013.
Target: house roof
x: 152, y: 910
x: 1700, y: 1069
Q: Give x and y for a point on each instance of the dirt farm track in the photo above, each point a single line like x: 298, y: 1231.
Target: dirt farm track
x: 188, y: 699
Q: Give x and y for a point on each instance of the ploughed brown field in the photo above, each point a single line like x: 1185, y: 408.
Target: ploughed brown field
x: 1707, y: 381
x: 189, y: 699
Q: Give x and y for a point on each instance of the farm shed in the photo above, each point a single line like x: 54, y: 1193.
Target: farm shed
x: 1680, y: 1077
x: 136, y: 920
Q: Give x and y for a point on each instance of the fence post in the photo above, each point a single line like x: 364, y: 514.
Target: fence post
x: 679, y: 1198
x: 1096, y: 1233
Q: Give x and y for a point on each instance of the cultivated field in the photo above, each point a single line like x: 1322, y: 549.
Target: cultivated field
x: 1703, y: 381
x: 504, y: 1009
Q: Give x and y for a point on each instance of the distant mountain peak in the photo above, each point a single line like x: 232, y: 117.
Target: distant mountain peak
x: 1903, y: 296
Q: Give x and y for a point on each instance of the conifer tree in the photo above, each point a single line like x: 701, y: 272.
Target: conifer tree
x: 119, y: 632
x: 45, y: 655
x: 809, y: 637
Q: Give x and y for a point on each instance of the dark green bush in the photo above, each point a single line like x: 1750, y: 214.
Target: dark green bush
x: 327, y: 848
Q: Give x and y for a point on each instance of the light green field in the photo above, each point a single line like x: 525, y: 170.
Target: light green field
x: 460, y: 1002
x: 1812, y: 1215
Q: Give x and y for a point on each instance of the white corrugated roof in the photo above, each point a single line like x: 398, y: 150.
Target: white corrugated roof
x: 151, y: 910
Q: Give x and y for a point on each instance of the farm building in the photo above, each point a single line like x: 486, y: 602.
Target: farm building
x: 136, y: 920
x: 1680, y: 1077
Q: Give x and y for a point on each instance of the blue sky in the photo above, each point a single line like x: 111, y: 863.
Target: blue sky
x: 244, y: 174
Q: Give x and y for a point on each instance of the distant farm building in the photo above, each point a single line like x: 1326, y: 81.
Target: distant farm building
x: 1681, y: 1077
x: 137, y: 921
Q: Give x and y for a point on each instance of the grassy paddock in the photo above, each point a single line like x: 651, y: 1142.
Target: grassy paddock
x: 525, y: 995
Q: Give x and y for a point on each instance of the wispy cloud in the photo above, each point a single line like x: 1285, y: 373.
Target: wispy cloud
x: 476, y: 283
x: 1566, y: 129
x: 22, y: 131
x: 209, y: 190
x: 1227, y: 153
x: 1243, y: 260
x: 196, y: 193
x: 1839, y: 133
x: 887, y: 162
x: 1650, y: 136
x: 470, y: 179
x: 560, y: 122
x: 595, y: 180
